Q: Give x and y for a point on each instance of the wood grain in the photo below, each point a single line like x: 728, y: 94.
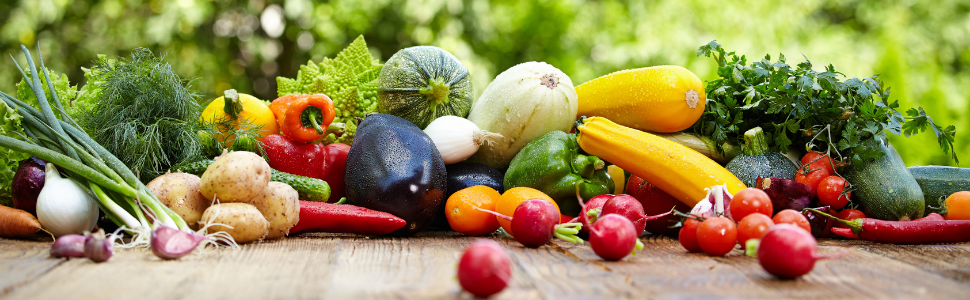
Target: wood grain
x: 334, y: 266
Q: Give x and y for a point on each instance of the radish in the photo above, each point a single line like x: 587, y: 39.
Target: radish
x: 631, y: 208
x: 788, y: 251
x: 612, y: 236
x: 484, y: 269
x: 591, y: 211
x: 536, y: 221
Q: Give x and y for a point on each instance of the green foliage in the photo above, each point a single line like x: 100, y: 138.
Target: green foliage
x: 804, y: 107
x: 9, y: 126
x: 144, y: 113
x: 65, y: 92
x: 350, y: 80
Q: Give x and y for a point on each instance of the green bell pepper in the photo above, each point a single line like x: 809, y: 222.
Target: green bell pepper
x: 554, y: 165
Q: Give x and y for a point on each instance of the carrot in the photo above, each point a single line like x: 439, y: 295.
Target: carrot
x: 17, y: 223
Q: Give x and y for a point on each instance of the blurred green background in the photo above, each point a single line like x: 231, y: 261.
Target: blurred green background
x: 921, y: 48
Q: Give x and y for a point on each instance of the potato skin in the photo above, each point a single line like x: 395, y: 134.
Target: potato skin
x: 180, y: 192
x: 280, y: 205
x: 248, y: 224
x: 235, y: 177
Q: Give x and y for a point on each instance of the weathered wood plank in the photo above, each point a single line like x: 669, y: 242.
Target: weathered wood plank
x: 24, y: 260
x: 423, y: 267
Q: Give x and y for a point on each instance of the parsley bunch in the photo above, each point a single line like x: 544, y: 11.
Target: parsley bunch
x: 799, y: 106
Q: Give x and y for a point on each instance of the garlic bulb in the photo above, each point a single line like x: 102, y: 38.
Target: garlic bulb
x: 457, y: 138
x: 64, y: 207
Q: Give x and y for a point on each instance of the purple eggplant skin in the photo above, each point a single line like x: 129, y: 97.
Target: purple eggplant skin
x: 821, y: 225
x: 27, y: 183
x: 785, y: 193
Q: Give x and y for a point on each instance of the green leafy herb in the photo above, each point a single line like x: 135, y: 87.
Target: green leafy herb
x: 800, y: 106
x: 350, y: 80
x: 9, y: 126
x: 144, y: 113
x: 65, y: 91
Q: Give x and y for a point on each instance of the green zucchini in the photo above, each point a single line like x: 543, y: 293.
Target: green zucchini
x: 755, y: 160
x: 884, y: 188
x: 423, y: 83
x: 939, y: 182
x: 310, y: 189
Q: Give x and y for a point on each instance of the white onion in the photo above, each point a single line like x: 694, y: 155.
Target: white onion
x: 63, y: 207
x: 457, y: 138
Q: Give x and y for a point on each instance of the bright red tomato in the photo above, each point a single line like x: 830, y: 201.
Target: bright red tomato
x: 749, y: 201
x: 830, y: 192
x: 790, y: 216
x: 817, y: 160
x: 812, y: 179
x: 688, y: 235
x: 849, y: 215
x: 717, y: 236
x: 753, y: 226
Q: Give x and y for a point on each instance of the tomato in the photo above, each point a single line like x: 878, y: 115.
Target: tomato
x: 849, y: 215
x: 749, y: 201
x: 958, y: 206
x: 688, y: 235
x: 462, y: 215
x: 830, y: 192
x: 753, y: 226
x: 790, y: 216
x: 717, y: 236
x: 816, y: 160
x: 812, y: 179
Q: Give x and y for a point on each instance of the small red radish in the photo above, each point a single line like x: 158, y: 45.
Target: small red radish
x: 536, y: 221
x: 632, y: 209
x: 484, y: 269
x: 788, y: 251
x: 591, y: 210
x: 612, y: 236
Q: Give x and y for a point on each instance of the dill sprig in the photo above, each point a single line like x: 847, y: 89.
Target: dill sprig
x: 143, y: 113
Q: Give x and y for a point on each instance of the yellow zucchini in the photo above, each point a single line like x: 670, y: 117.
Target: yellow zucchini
x: 681, y: 172
x: 656, y: 99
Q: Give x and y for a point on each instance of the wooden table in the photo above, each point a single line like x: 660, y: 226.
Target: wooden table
x: 333, y: 266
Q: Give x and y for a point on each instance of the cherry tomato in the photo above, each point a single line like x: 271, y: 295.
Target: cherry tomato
x: 816, y: 160
x: 791, y: 216
x: 688, y: 235
x: 849, y: 215
x: 830, y: 192
x: 717, y: 236
x: 958, y: 206
x: 749, y: 201
x: 812, y: 179
x: 753, y: 226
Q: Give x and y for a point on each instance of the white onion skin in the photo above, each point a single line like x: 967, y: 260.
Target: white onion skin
x: 63, y: 207
x: 457, y: 138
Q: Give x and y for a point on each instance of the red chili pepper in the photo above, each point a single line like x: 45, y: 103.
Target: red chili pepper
x: 344, y: 218
x: 919, y: 231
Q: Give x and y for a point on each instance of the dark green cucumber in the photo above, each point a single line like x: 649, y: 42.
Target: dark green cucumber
x: 939, y: 182
x: 310, y: 189
x: 884, y: 188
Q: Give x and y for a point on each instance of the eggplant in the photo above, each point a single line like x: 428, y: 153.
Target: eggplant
x: 27, y: 183
x: 785, y: 194
x: 394, y: 167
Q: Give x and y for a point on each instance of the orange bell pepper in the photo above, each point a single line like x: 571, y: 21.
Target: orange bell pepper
x: 303, y: 118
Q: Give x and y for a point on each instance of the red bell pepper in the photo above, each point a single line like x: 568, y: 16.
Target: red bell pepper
x: 327, y: 163
x: 344, y: 218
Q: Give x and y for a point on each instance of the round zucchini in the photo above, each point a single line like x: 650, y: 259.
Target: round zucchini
x: 755, y: 160
x: 423, y: 83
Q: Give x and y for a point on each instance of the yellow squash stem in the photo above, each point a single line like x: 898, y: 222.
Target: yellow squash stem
x: 681, y: 172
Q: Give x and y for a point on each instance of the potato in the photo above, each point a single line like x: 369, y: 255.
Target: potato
x: 248, y: 224
x: 280, y: 205
x: 235, y: 177
x: 180, y: 192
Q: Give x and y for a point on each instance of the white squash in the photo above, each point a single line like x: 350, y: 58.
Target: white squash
x: 523, y: 103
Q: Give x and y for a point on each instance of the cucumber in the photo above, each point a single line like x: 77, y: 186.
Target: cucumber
x: 884, y: 188
x: 939, y: 182
x: 310, y: 189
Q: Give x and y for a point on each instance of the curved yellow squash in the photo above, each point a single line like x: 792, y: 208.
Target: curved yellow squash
x: 656, y: 99
x: 681, y: 172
